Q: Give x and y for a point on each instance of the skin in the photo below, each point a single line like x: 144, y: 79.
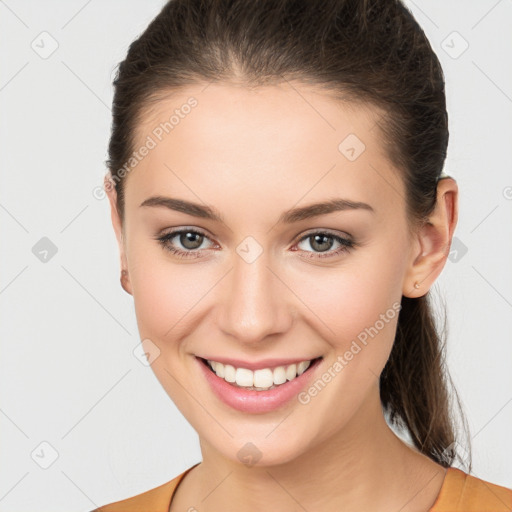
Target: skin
x: 252, y: 154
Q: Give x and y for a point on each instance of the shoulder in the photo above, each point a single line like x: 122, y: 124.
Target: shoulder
x: 462, y: 492
x: 157, y: 499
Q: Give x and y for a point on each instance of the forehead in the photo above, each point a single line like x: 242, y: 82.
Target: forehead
x: 289, y: 137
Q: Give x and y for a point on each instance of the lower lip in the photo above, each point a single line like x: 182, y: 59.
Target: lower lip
x: 252, y: 401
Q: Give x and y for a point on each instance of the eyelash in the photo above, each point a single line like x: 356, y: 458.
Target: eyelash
x: 346, y: 244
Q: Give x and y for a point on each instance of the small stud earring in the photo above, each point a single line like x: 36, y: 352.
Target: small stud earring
x: 416, y: 284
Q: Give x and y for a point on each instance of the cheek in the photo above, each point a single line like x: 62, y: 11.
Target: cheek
x: 356, y: 314
x: 350, y: 298
x: 355, y: 308
x: 169, y: 297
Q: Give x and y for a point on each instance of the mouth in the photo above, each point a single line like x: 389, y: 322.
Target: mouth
x: 262, y: 379
x: 236, y: 389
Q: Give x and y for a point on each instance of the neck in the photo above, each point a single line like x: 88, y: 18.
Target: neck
x: 365, y: 466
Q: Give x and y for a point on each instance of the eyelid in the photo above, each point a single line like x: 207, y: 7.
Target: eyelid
x: 345, y: 240
x: 326, y: 231
x: 180, y: 229
x: 299, y: 238
x: 213, y: 244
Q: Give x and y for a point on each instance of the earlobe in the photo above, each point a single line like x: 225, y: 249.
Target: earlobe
x: 125, y: 282
x: 433, y: 241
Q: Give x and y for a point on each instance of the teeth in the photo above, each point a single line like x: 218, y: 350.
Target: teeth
x: 302, y: 367
x: 244, y: 377
x: 263, y: 379
x: 291, y: 371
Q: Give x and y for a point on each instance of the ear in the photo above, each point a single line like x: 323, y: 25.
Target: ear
x: 433, y: 240
x: 118, y: 229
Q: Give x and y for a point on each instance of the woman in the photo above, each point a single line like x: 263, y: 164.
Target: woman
x: 276, y: 189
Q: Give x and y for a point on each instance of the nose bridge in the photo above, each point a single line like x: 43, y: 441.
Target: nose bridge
x: 254, y: 306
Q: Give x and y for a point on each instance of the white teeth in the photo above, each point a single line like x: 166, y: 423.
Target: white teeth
x: 303, y: 366
x: 279, y: 375
x: 219, y: 369
x: 229, y: 372
x: 244, y: 377
x: 263, y: 379
x: 291, y: 371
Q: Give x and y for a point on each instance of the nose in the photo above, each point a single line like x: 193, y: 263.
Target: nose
x: 255, y: 303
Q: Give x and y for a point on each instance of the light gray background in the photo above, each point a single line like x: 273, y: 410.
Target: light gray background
x: 67, y: 372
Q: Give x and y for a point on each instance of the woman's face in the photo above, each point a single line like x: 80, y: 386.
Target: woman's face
x: 258, y: 285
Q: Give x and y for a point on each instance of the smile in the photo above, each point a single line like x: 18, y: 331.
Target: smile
x: 251, y: 398
x: 261, y: 379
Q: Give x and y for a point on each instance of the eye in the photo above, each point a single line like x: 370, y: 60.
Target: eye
x: 192, y: 239
x: 322, y: 241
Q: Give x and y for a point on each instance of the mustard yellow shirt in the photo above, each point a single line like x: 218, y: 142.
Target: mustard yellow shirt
x: 460, y: 492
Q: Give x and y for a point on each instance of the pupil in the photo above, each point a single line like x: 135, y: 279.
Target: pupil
x: 322, y: 238
x: 188, y: 238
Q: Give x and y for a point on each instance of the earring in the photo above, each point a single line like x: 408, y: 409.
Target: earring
x: 416, y: 284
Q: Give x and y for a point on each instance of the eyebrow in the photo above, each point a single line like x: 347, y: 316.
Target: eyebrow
x: 288, y: 217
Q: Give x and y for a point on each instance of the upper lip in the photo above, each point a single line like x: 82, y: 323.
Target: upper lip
x: 258, y: 365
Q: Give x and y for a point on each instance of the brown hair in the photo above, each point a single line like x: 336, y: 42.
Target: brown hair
x: 372, y: 52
